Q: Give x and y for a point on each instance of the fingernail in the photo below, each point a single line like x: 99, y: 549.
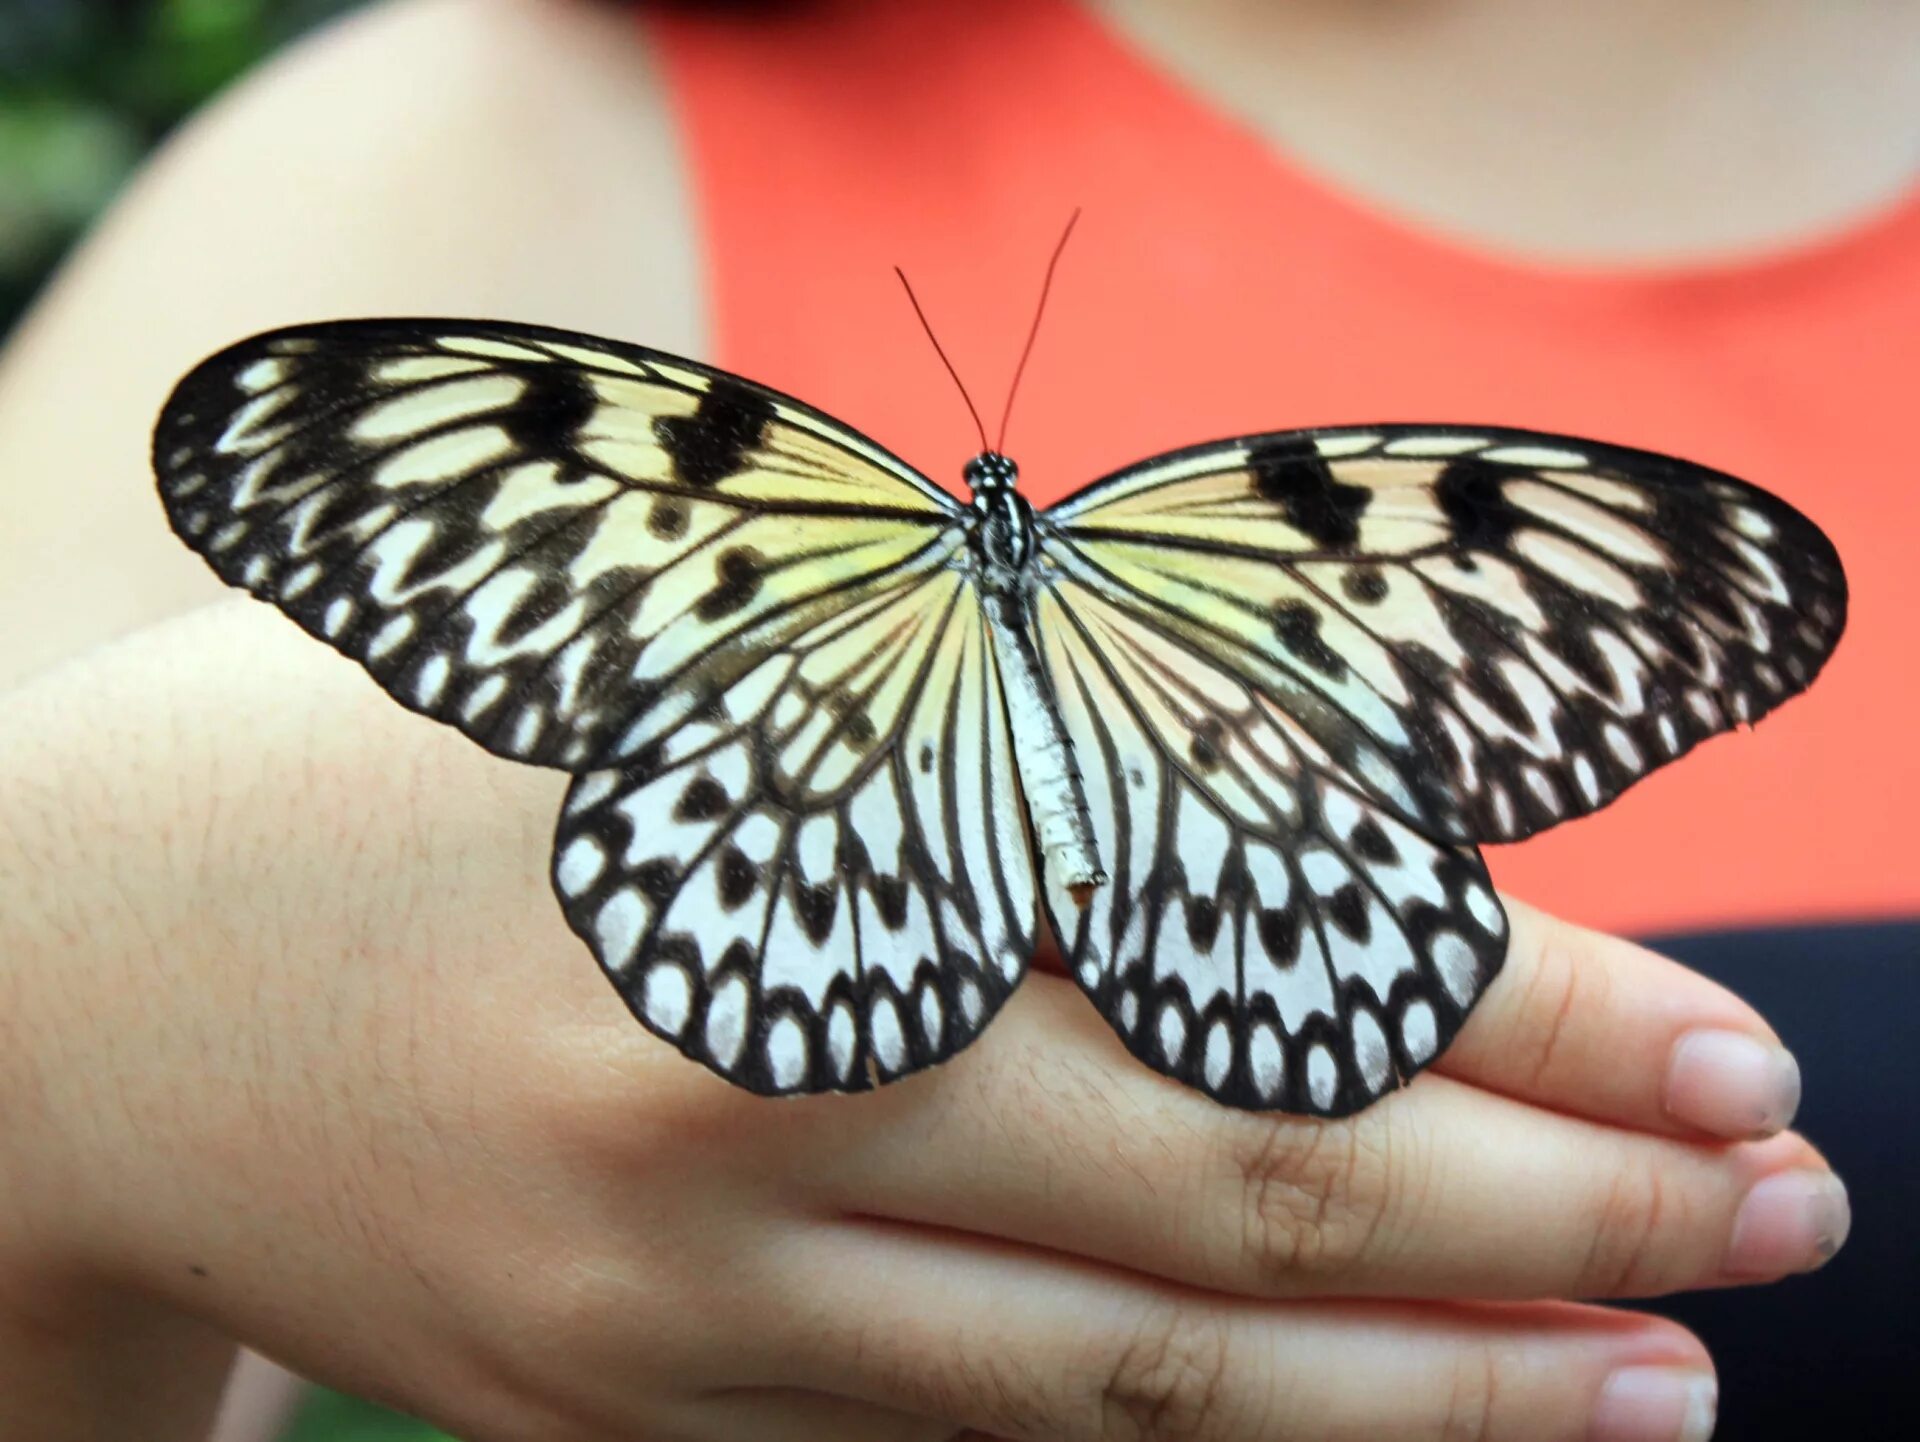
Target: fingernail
x: 1655, y: 1404
x: 1790, y: 1222
x: 1732, y: 1085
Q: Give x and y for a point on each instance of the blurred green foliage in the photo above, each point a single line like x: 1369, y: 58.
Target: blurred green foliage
x: 329, y: 1417
x: 88, y: 86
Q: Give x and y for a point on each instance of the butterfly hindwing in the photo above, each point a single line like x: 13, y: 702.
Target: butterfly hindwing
x: 529, y: 534
x: 826, y: 883
x: 1497, y: 630
x: 1269, y: 934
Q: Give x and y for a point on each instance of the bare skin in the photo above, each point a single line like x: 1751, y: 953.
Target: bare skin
x: 334, y: 1080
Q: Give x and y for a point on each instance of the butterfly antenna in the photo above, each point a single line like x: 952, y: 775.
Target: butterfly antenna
x: 1034, y: 333
x: 924, y: 325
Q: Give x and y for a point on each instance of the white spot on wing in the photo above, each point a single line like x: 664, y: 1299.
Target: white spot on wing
x: 1484, y: 908
x: 883, y: 1029
x: 431, y: 680
x: 842, y: 1037
x: 787, y: 1053
x: 1370, y: 1052
x: 1173, y: 1033
x: 1418, y: 1031
x: 1323, y: 1077
x: 1459, y: 969
x: 666, y: 997
x: 1266, y: 1060
x: 1546, y: 457
x: 1346, y: 445
x: 1219, y: 1055
x: 580, y: 865
x: 618, y: 927
x: 1434, y: 443
x: 727, y: 1022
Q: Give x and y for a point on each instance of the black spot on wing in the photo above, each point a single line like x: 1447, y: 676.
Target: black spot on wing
x: 556, y: 404
x: 1364, y: 584
x: 1297, y: 624
x: 738, y: 572
x: 1470, y: 496
x: 1371, y: 843
x: 703, y: 800
x: 657, y: 880
x: 1293, y: 474
x: 1280, y: 935
x: 667, y: 518
x: 890, y: 898
x: 712, y: 443
x: 815, y: 907
x: 1347, y: 909
x: 1205, y: 748
x: 738, y: 878
x: 1203, y: 921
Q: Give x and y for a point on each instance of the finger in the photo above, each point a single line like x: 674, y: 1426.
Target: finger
x: 798, y: 1414
x: 1048, y: 1134
x: 1589, y: 1024
x: 1032, y: 1346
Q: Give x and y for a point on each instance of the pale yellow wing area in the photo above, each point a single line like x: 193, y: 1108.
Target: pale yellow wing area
x: 1492, y: 630
x: 549, y: 541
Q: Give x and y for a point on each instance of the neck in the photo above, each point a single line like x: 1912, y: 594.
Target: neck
x: 1577, y: 130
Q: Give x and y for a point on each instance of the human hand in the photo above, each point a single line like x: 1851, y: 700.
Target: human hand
x: 300, y: 1045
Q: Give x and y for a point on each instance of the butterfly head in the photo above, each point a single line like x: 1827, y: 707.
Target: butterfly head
x: 991, y: 471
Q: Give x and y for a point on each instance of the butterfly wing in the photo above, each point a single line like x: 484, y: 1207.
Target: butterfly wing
x: 1496, y: 630
x: 538, y: 537
x: 794, y: 841
x: 824, y: 882
x: 1270, y: 933
x: 1305, y: 672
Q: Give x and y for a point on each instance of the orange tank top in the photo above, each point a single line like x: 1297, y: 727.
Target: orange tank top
x: 1214, y: 289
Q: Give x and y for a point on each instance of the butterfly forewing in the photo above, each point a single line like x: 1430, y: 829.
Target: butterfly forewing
x: 1495, y: 630
x: 526, y: 533
x: 795, y: 844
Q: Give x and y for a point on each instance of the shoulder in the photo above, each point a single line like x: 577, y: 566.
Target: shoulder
x: 511, y: 158
x: 495, y: 159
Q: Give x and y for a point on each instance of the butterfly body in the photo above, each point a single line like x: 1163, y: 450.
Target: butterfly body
x: 1236, y: 717
x: 1005, y: 547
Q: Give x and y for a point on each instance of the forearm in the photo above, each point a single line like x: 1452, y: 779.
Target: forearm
x: 206, y: 1085
x: 85, y: 1353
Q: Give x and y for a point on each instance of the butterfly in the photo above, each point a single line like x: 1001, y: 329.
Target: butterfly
x: 1236, y: 716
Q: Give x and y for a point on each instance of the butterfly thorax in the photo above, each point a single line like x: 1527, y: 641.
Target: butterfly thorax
x: 1000, y: 523
x: 1003, y: 542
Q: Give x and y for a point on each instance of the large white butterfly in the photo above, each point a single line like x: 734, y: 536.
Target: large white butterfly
x: 1236, y: 714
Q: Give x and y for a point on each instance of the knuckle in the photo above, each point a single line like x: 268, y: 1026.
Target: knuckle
x: 1168, y: 1382
x: 1316, y: 1197
x: 1567, y: 981
x: 1472, y: 1399
x: 1625, y: 1257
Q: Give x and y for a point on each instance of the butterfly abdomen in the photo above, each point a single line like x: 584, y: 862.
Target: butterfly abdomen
x: 1005, y: 547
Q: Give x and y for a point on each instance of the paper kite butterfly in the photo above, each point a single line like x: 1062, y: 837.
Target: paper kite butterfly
x: 1236, y: 715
